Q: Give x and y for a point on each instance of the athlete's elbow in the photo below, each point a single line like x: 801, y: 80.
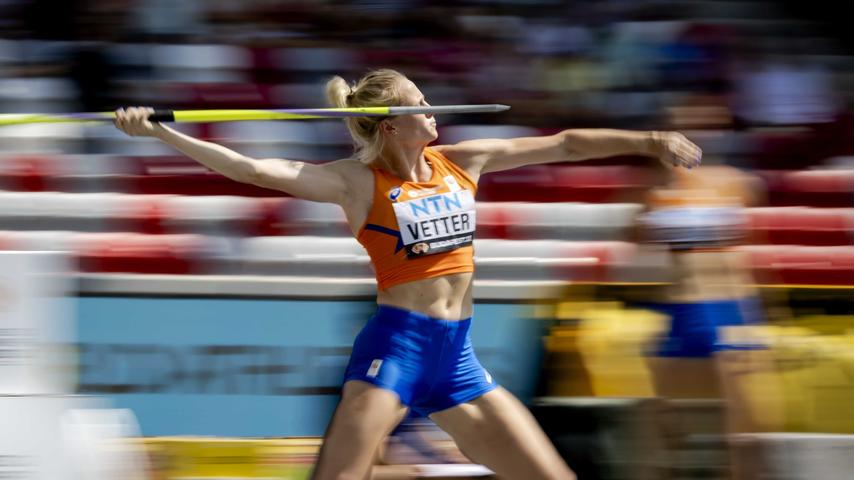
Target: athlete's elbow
x: 572, y: 147
x: 248, y: 170
x: 585, y: 144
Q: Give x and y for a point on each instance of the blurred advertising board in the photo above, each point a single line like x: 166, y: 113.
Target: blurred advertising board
x: 249, y: 367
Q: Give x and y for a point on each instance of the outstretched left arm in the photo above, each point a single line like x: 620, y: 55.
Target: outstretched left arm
x: 491, y: 155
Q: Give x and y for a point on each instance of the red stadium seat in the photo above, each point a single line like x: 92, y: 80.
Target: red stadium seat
x: 270, y: 217
x: 493, y: 220
x: 801, y: 226
x: 28, y: 173
x: 520, y: 185
x: 148, y: 216
x: 794, y: 265
x: 565, y: 183
x: 599, y: 184
x: 137, y: 253
x: 812, y: 188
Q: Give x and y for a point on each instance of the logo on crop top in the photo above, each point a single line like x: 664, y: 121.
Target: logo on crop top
x: 394, y: 193
x: 437, y: 223
x: 452, y: 184
x: 422, y: 192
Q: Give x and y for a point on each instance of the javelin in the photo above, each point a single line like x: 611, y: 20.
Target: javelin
x: 205, y: 116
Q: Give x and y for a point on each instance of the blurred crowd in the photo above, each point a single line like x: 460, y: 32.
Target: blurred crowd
x: 636, y: 64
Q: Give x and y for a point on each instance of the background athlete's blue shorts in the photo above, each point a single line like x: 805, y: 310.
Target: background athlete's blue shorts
x: 428, y: 362
x: 694, y: 327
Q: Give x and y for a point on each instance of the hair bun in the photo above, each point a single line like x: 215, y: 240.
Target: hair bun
x: 338, y: 92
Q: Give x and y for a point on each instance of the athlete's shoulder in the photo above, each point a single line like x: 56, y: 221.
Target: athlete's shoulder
x: 461, y: 158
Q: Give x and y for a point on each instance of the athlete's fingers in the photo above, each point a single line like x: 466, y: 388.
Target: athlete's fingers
x: 688, y: 157
x: 690, y: 152
x: 136, y: 114
x: 135, y: 119
x: 679, y: 151
x: 146, y: 113
x: 120, y: 119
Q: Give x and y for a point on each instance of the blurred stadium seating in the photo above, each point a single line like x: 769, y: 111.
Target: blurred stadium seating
x: 758, y: 85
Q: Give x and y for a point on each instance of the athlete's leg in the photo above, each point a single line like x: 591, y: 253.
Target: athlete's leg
x: 365, y: 416
x: 497, y: 431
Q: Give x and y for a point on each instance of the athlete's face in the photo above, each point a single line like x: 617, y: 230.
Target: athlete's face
x: 409, y: 129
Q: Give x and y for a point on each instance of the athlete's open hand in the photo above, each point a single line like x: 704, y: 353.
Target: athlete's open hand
x: 134, y: 122
x: 674, y: 150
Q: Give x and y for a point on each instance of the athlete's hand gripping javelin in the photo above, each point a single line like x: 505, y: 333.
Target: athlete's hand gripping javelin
x: 134, y: 122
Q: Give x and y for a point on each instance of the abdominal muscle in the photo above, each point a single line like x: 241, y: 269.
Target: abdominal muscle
x: 448, y: 297
x: 710, y: 275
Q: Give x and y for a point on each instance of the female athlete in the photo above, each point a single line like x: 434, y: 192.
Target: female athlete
x: 412, y: 207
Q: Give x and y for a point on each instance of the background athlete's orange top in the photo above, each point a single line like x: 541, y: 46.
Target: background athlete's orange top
x: 381, y: 235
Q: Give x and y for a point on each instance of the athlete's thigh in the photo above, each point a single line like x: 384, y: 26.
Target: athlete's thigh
x: 496, y: 430
x: 363, y: 418
x: 684, y: 377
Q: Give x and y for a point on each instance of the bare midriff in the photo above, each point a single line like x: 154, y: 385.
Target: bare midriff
x: 710, y: 275
x: 448, y: 297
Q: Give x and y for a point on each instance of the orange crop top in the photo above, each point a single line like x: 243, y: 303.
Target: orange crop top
x: 418, y: 230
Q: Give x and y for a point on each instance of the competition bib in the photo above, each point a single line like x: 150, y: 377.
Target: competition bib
x: 436, y: 223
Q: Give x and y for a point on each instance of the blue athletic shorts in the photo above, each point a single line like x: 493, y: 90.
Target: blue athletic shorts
x: 428, y: 362
x: 694, y: 327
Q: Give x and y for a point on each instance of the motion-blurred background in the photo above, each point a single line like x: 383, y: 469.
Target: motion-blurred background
x: 212, y: 308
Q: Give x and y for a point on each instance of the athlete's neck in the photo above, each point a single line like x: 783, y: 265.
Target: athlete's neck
x: 406, y: 162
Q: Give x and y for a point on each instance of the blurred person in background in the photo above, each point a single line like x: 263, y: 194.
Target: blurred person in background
x: 412, y: 207
x: 711, y: 300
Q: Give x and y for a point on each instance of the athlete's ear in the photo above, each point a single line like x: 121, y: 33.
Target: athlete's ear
x: 387, y: 127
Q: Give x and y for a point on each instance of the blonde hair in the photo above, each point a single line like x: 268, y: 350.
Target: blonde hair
x: 376, y: 88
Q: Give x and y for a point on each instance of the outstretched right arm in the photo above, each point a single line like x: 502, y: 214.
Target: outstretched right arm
x: 317, y: 182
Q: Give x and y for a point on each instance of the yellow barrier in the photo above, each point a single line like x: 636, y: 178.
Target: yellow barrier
x: 817, y: 374
x: 802, y: 382
x: 211, y: 457
x: 602, y: 352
